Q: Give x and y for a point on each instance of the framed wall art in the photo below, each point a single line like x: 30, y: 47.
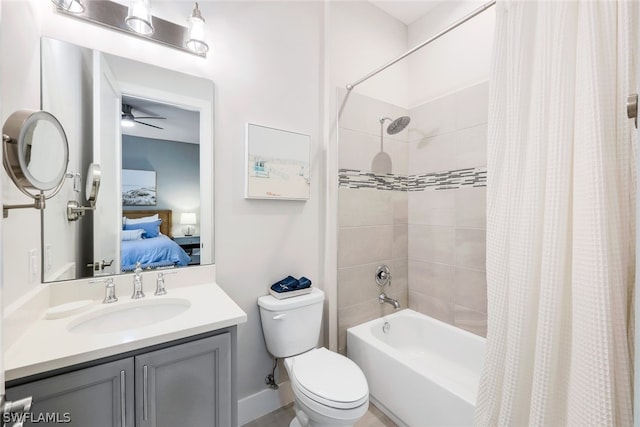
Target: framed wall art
x: 138, y: 188
x: 277, y: 163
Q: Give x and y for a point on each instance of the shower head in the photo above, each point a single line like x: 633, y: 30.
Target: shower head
x: 396, y: 125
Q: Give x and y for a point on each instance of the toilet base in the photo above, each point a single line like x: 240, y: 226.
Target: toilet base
x: 295, y: 423
x: 303, y: 420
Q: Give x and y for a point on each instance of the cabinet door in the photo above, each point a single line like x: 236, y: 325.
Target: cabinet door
x: 185, y: 385
x: 101, y: 396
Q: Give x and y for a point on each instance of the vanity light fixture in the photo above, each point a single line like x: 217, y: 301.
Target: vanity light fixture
x: 188, y: 219
x: 139, y: 17
x: 195, y: 37
x: 136, y: 20
x: 72, y: 6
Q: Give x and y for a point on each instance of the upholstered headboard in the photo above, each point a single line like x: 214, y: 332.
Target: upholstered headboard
x: 163, y: 214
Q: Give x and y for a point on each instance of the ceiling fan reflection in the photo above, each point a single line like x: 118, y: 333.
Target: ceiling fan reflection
x: 128, y: 119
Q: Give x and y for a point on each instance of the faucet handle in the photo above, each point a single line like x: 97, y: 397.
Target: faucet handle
x: 383, y: 275
x: 138, y: 292
x: 160, y: 289
x: 109, y: 290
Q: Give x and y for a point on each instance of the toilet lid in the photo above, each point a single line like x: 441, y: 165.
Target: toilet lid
x: 330, y: 378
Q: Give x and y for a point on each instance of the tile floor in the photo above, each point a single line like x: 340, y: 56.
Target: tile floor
x: 283, y: 416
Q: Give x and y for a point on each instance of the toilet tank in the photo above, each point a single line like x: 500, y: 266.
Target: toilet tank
x: 292, y: 325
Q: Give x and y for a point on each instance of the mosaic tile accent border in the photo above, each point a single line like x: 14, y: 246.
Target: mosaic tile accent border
x: 362, y: 179
x: 448, y: 180
x: 445, y: 180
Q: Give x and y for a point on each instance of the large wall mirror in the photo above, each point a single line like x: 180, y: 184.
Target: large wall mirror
x: 150, y: 130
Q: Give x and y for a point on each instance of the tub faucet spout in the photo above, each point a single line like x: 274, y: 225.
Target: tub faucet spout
x: 382, y: 298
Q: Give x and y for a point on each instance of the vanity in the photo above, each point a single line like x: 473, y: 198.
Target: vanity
x: 157, y: 361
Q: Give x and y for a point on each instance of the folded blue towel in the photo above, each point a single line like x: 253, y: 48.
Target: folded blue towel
x: 304, y: 283
x: 287, y: 284
x: 290, y: 283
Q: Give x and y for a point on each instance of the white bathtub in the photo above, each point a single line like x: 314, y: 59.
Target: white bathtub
x: 421, y: 372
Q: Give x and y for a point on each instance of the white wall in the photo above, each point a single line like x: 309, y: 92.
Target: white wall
x: 20, y: 89
x: 459, y: 59
x: 265, y: 63
x: 362, y: 38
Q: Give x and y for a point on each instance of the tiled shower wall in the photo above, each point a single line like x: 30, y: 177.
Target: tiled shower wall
x: 426, y: 220
x: 372, y: 222
x: 447, y: 227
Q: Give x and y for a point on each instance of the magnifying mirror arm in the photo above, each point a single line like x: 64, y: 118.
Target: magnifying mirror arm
x: 38, y: 203
x: 38, y: 200
x: 75, y: 211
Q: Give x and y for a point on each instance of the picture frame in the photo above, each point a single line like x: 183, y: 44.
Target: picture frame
x: 277, y: 163
x: 139, y: 188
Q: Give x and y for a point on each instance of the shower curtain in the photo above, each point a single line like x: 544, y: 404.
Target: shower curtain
x: 561, y: 216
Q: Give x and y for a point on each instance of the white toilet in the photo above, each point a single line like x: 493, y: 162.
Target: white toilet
x: 329, y: 389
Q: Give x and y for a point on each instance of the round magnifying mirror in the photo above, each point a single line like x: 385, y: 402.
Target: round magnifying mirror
x: 93, y: 183
x: 36, y: 150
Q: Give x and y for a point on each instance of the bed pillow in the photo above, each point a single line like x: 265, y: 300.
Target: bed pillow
x: 140, y: 220
x: 132, y: 234
x: 151, y: 229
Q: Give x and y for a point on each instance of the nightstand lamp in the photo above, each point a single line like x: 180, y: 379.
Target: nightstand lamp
x: 188, y: 220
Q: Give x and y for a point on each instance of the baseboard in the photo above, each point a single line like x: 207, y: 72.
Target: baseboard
x: 256, y: 405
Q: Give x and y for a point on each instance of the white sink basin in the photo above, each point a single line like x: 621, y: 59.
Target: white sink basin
x: 130, y: 315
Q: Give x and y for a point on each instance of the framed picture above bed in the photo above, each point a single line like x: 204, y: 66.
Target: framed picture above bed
x: 138, y: 188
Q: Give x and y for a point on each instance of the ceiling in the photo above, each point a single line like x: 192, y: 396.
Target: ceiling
x: 406, y: 11
x: 179, y: 124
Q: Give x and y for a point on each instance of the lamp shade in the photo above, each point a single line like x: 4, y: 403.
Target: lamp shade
x: 195, y: 35
x: 188, y: 220
x: 139, y: 17
x: 73, y: 6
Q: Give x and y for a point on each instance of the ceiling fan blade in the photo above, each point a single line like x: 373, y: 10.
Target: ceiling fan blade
x: 147, y: 124
x: 151, y: 117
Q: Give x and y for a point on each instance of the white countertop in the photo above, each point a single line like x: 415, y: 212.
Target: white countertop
x: 48, y: 345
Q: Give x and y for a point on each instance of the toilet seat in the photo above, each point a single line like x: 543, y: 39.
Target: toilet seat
x: 329, y: 379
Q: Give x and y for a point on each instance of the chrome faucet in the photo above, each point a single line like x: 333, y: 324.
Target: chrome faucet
x: 160, y: 290
x: 109, y: 289
x: 137, y: 282
x: 382, y: 298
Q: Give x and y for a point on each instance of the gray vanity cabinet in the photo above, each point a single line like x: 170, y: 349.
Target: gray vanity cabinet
x: 186, y: 385
x: 100, y: 396
x: 189, y: 383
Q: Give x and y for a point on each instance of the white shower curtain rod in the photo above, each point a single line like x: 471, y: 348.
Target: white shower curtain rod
x: 456, y: 24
